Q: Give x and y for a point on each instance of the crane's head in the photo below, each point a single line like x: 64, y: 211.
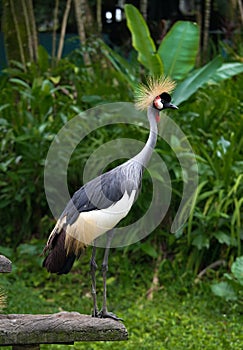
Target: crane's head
x: 163, y: 101
x: 155, y: 94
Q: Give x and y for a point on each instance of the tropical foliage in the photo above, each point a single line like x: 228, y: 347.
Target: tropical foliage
x: 34, y: 106
x: 175, y: 57
x: 231, y: 289
x: 219, y: 195
x: 38, y: 98
x: 44, y: 99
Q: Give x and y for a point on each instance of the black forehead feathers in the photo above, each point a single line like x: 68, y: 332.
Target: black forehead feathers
x: 165, y: 97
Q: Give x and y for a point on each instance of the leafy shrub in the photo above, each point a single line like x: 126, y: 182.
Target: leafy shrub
x: 34, y: 106
x: 214, y: 123
x: 212, y: 119
x: 231, y: 289
x: 27, y: 127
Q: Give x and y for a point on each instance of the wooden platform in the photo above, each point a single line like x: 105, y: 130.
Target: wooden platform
x: 5, y: 264
x: 29, y: 331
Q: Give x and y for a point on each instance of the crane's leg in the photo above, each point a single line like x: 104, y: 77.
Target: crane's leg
x: 104, y: 312
x: 93, y: 268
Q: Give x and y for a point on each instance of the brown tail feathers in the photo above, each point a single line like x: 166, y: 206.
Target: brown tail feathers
x: 58, y: 260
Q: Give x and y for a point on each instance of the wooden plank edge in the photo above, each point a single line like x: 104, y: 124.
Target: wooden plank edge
x: 5, y: 264
x: 62, y: 327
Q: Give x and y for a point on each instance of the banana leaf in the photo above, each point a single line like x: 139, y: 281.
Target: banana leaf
x: 122, y: 66
x: 142, y: 41
x: 178, y: 49
x: 226, y: 71
x: 196, y: 79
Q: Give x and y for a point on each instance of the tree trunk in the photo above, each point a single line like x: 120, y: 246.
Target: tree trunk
x: 33, y: 31
x: 207, y: 13
x: 99, y: 15
x: 20, y: 37
x: 143, y: 8
x: 241, y: 10
x: 199, y: 22
x: 54, y: 32
x: 63, y: 29
x: 89, y: 24
x: 79, y: 12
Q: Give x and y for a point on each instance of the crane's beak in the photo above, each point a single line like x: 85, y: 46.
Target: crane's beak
x: 170, y: 105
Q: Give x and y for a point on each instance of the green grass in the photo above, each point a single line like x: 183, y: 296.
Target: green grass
x: 183, y: 314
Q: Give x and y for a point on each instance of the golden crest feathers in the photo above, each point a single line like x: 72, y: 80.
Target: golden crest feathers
x: 145, y: 94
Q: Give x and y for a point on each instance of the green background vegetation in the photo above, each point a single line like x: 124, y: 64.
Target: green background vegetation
x: 166, y: 287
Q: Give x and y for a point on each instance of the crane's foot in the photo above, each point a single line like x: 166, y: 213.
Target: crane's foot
x: 106, y: 314
x: 95, y: 313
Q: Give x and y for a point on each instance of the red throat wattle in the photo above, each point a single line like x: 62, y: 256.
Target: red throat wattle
x: 157, y: 118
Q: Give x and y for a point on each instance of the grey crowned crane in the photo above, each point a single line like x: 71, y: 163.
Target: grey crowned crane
x: 100, y: 204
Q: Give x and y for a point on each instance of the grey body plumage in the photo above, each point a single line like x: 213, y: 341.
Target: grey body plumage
x: 108, y: 188
x: 98, y: 206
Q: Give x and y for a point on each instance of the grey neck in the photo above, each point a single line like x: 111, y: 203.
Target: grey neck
x: 144, y: 156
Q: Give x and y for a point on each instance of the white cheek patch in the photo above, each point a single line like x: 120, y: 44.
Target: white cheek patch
x: 158, y: 104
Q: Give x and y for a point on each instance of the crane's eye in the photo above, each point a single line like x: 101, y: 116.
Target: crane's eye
x: 158, y: 103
